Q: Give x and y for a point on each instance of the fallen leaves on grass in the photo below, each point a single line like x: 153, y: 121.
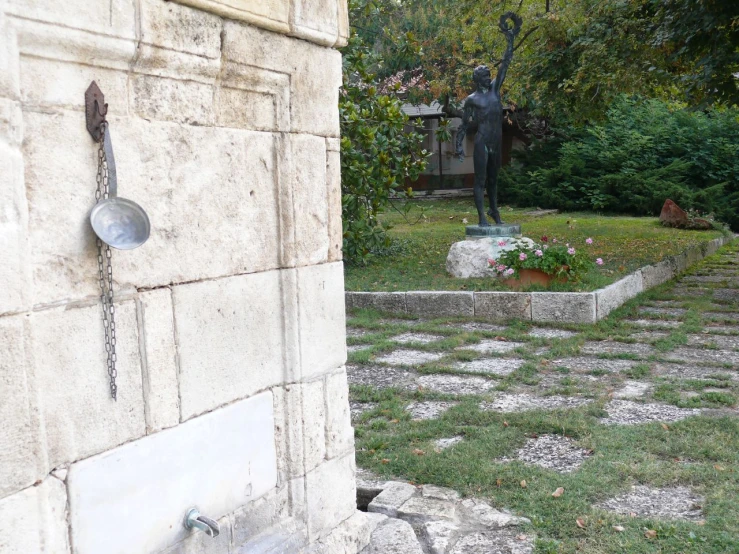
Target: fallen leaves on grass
x: 418, y: 452
x: 619, y: 528
x: 505, y: 424
x: 580, y: 523
x: 498, y: 482
x: 665, y: 427
x: 559, y: 492
x: 385, y: 461
x: 524, y: 484
x: 650, y: 534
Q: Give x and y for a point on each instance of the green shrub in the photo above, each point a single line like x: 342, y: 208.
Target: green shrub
x: 644, y: 152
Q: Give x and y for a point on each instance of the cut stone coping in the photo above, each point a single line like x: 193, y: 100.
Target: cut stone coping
x: 492, y: 346
x: 626, y: 412
x: 455, y: 384
x: 552, y: 452
x: 491, y: 366
x: 585, y: 364
x: 504, y: 230
x: 423, y: 338
x: 650, y: 503
x: 549, y: 333
x: 380, y: 377
x: 556, y: 307
x: 408, y: 357
x: 443, y: 444
x: 429, y: 409
x: 506, y: 403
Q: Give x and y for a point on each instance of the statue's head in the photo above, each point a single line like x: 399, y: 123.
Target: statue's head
x: 481, y: 76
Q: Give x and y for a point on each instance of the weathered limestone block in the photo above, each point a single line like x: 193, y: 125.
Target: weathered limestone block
x: 503, y: 305
x: 304, y: 201
x: 116, y: 18
x: 9, y: 75
x: 614, y: 295
x: 333, y: 176
x: 316, y: 20
x: 313, y: 422
x: 322, y: 318
x: 392, y: 497
x: 34, y: 521
x: 383, y: 301
x: 15, y: 268
x: 181, y: 28
x: 162, y: 99
x: 159, y: 356
x: 565, y: 307
x: 339, y: 432
x: 133, y: 498
x: 71, y: 381
x: 229, y: 340
x: 419, y: 509
x: 269, y: 14
x: 22, y: 456
x: 260, y: 515
x: 331, y: 495
x: 440, y: 303
x: 653, y: 275
x: 315, y: 73
x: 351, y: 536
x: 394, y: 536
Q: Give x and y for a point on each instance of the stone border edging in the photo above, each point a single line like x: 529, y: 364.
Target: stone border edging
x: 561, y: 307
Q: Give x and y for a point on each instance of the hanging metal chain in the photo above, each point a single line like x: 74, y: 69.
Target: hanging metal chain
x: 105, y: 271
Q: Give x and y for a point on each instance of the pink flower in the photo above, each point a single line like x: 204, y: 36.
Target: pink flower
x: 501, y: 243
x: 571, y: 251
x: 491, y: 262
x: 500, y: 268
x: 588, y: 241
x: 545, y: 247
x: 599, y: 261
x: 539, y: 253
x: 509, y: 272
x: 554, y: 240
x: 522, y: 256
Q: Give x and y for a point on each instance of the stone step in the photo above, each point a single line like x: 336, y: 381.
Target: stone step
x: 393, y: 536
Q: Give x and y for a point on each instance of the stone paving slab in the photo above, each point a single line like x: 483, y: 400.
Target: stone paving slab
x: 423, y: 338
x: 474, y: 326
x: 725, y: 342
x: 555, y: 452
x: 494, y: 542
x: 672, y: 312
x: 553, y: 380
x: 653, y: 323
x: 358, y: 408
x: 702, y: 355
x: 408, y: 357
x: 548, y: 333
x: 506, y: 403
x: 393, y: 536
x: 649, y: 336
x: 722, y: 316
x: 380, y: 377
x: 722, y: 329
x: 357, y: 348
x: 692, y: 371
x: 692, y: 292
x: 726, y: 295
x: 430, y: 409
x: 626, y: 412
x: 355, y: 332
x: 491, y: 366
x: 705, y: 279
x: 455, y: 384
x: 633, y: 389
x: 614, y: 347
x: 585, y: 364
x: 650, y: 503
x: 491, y: 346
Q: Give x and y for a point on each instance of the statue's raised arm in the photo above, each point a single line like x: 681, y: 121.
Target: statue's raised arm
x: 510, y: 35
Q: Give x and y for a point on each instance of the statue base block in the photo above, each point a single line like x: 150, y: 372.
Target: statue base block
x: 473, y: 232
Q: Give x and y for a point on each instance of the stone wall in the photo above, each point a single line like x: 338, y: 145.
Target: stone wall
x: 230, y: 319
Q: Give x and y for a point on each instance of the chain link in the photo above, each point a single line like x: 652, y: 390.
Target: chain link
x: 105, y: 271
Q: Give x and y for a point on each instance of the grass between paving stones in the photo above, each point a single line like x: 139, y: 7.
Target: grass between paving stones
x: 701, y: 452
x: 624, y: 243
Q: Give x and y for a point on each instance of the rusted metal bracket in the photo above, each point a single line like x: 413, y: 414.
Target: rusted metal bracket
x: 95, y: 110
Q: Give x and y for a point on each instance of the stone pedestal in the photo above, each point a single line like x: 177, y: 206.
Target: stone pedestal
x: 473, y: 232
x: 469, y: 258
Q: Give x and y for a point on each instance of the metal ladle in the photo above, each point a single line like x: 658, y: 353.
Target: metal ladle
x: 118, y: 222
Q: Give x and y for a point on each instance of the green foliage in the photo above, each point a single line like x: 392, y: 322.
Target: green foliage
x: 645, y: 151
x: 377, y: 152
x: 557, y: 259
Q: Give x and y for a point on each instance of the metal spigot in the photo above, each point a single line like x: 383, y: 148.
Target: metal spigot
x: 205, y: 524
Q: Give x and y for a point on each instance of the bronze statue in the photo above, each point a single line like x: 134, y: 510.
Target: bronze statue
x: 484, y: 108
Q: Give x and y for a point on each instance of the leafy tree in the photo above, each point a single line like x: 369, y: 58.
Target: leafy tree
x: 377, y: 151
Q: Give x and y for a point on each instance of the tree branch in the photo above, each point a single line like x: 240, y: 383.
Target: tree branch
x: 520, y: 42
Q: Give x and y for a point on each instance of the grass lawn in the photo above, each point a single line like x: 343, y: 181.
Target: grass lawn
x: 700, y: 452
x: 624, y: 243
